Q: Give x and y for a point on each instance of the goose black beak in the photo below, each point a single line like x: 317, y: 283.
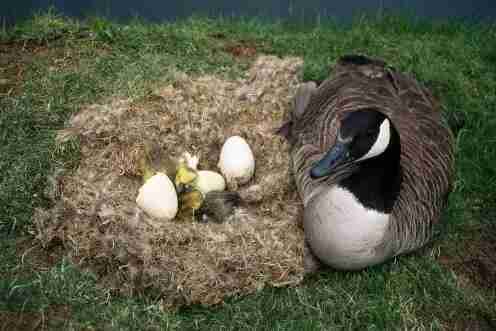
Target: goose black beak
x: 336, y: 156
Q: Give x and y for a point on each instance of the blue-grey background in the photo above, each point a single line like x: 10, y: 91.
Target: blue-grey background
x: 342, y: 11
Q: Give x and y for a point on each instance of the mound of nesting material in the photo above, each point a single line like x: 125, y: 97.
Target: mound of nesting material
x: 101, y: 228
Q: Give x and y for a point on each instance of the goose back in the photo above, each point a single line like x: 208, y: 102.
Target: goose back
x: 427, y: 144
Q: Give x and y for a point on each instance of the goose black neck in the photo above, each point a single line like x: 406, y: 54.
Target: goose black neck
x: 376, y: 181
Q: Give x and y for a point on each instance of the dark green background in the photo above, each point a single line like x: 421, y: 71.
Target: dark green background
x: 298, y: 10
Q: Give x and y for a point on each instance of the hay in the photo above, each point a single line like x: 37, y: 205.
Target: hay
x: 100, y: 226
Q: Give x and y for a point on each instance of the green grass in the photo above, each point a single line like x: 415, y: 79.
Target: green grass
x: 85, y: 62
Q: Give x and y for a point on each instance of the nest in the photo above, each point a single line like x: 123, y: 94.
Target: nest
x: 96, y: 219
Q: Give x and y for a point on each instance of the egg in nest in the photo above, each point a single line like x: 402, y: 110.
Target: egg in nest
x: 236, y: 161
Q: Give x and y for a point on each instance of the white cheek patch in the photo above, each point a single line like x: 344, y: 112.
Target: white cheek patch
x: 381, y: 142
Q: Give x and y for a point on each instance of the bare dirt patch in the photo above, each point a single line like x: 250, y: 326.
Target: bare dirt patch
x: 55, y: 317
x: 241, y: 50
x: 472, y: 325
x: 99, y: 225
x: 32, y: 256
x: 19, y: 321
x: 474, y: 261
x: 15, y: 58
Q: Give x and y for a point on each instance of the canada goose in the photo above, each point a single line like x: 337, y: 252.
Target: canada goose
x: 373, y: 162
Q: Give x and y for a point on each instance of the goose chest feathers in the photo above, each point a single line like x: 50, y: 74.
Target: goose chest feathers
x: 373, y: 162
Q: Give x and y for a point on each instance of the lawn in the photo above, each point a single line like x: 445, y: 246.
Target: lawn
x: 51, y: 66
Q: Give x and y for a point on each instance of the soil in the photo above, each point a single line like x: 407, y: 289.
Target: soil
x: 474, y: 260
x: 242, y: 50
x: 35, y: 257
x: 54, y: 317
x: 16, y: 57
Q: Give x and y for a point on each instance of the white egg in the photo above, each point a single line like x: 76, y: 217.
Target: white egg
x: 208, y: 181
x: 158, y: 197
x: 236, y: 161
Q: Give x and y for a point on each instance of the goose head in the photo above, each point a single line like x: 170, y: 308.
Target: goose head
x: 368, y: 146
x: 362, y: 135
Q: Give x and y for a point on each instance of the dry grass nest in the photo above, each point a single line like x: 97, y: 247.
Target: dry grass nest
x: 96, y: 219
